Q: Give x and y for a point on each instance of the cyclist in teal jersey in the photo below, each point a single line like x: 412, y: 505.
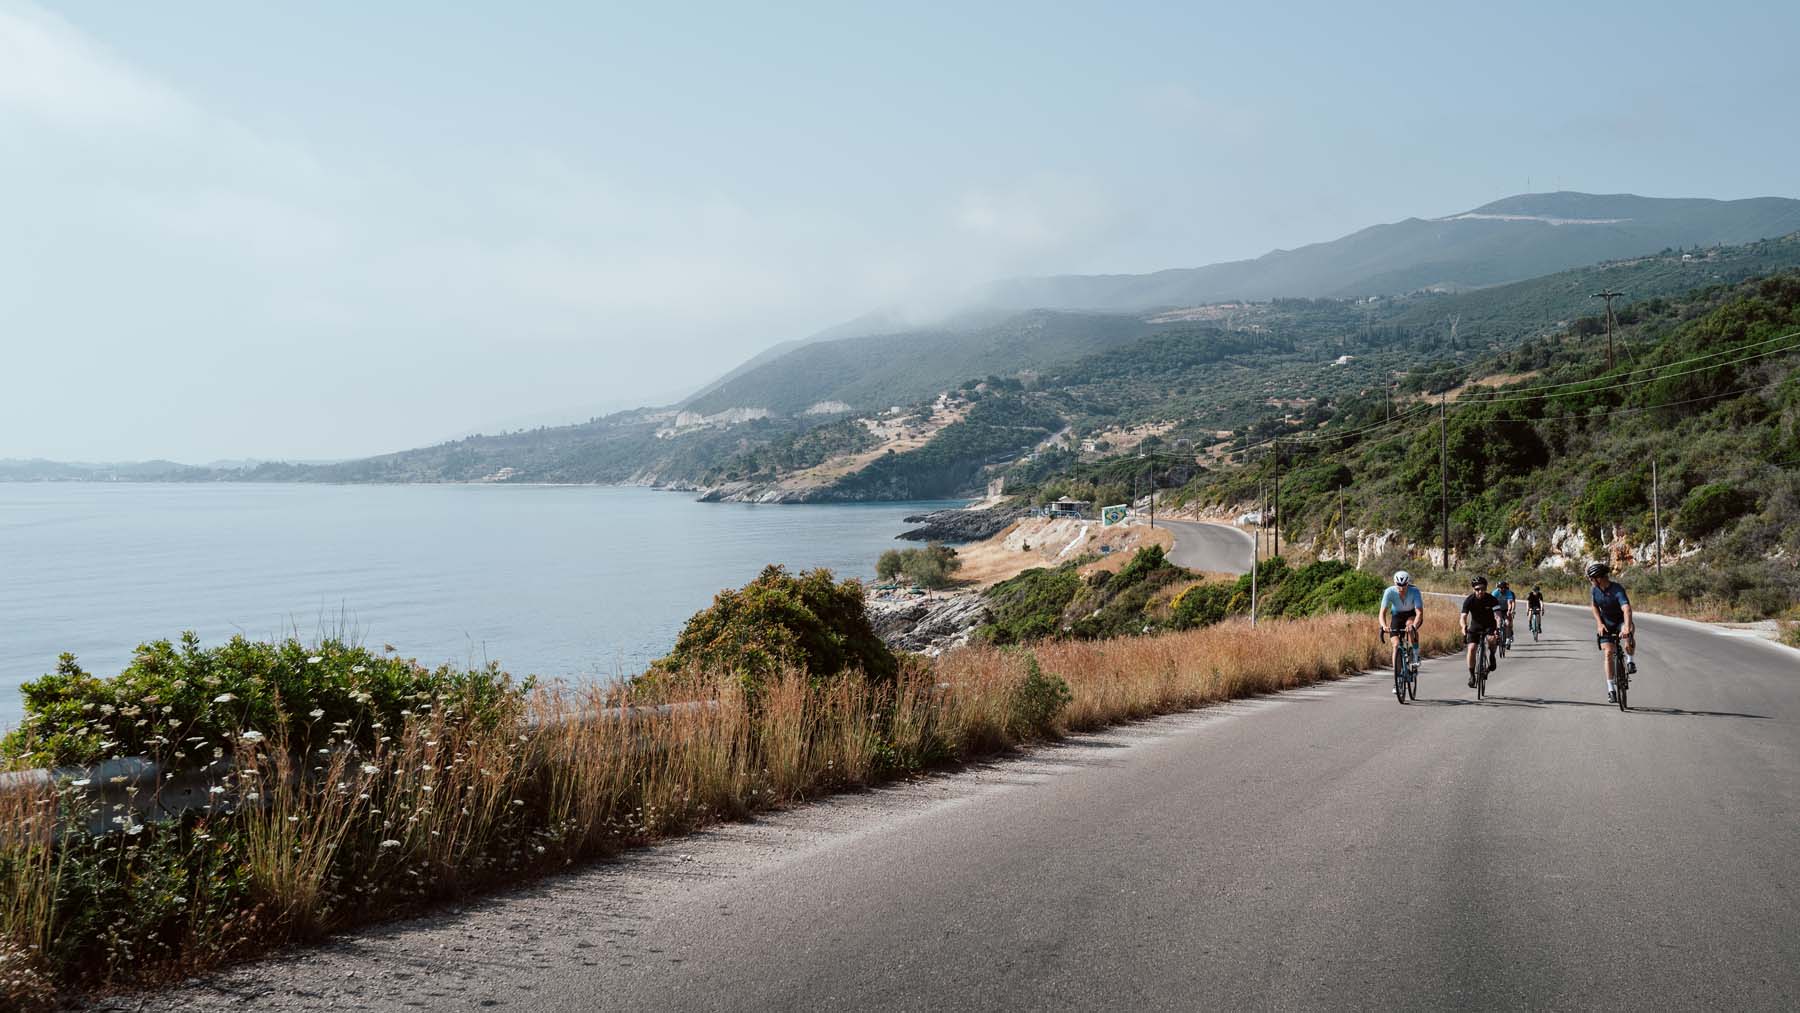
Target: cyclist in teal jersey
x: 1402, y: 608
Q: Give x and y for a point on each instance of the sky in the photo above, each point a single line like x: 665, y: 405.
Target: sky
x: 326, y: 230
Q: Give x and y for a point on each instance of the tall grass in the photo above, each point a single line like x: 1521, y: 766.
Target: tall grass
x: 457, y: 798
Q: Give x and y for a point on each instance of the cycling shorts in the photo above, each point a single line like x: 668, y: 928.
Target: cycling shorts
x: 1398, y: 620
x: 1476, y: 633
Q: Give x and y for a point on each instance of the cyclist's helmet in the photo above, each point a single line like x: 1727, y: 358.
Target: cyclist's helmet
x: 1402, y: 578
x: 1478, y: 582
x: 1598, y: 570
x: 1535, y: 589
x: 1504, y: 587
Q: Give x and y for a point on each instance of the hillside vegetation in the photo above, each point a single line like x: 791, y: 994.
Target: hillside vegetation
x: 1559, y: 468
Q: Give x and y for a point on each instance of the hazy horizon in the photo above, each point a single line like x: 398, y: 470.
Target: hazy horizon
x: 330, y: 232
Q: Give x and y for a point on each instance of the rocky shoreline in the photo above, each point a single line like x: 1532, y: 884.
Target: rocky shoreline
x: 928, y: 625
x: 961, y: 525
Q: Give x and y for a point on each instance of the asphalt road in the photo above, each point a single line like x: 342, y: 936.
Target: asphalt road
x: 1218, y: 548
x: 1327, y: 848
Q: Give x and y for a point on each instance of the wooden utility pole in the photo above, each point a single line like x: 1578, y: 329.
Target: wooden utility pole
x: 1153, y: 493
x: 1256, y: 551
x: 1276, y: 513
x: 1343, y: 532
x: 1656, y: 515
x: 1609, y: 295
x: 1444, y: 476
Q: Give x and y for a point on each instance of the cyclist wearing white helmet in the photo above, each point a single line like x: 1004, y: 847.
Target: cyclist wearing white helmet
x: 1402, y: 609
x: 1612, y: 618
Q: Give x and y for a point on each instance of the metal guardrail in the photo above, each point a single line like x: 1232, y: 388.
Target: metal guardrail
x: 129, y: 792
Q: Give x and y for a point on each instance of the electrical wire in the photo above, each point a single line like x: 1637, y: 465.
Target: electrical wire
x: 1477, y: 398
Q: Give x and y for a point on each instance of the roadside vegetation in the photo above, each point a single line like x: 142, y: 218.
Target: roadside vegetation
x: 1150, y: 594
x: 933, y: 566
x: 350, y: 785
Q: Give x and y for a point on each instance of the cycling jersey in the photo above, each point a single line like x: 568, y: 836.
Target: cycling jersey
x: 1506, y: 598
x: 1397, y: 601
x: 1611, y: 601
x: 1479, y: 607
x: 1534, y: 602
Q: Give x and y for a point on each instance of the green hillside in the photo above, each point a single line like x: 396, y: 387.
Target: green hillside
x: 872, y: 373
x: 1558, y: 467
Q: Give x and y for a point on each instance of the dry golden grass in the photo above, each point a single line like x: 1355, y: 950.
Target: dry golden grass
x: 452, y: 803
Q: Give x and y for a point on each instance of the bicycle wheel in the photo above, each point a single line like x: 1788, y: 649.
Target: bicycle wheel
x: 1620, y: 679
x: 1481, y: 670
x: 1412, y: 678
x: 1400, y: 673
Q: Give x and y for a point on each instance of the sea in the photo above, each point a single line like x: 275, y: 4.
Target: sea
x: 563, y: 582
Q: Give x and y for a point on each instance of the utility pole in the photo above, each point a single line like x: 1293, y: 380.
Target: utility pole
x: 1276, y: 513
x: 1343, y: 532
x: 1256, y: 551
x: 1656, y: 515
x: 1609, y: 295
x: 1444, y: 477
x: 1153, y: 493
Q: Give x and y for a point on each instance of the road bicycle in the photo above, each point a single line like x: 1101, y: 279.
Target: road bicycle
x: 1537, y: 624
x: 1484, y: 663
x: 1406, y: 664
x: 1615, y: 662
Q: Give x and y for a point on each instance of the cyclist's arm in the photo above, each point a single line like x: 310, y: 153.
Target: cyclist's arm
x: 1630, y: 626
x: 1599, y: 620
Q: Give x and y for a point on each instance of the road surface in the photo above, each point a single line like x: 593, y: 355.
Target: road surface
x: 1217, y: 548
x: 1327, y: 848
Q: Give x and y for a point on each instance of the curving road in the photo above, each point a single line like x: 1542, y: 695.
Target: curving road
x: 1217, y: 548
x: 1327, y: 848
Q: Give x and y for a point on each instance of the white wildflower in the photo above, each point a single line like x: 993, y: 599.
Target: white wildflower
x: 315, y: 659
x: 316, y: 713
x: 251, y: 735
x: 224, y: 698
x: 390, y: 843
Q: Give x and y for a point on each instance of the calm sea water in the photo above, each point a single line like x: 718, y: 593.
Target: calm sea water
x: 577, y: 582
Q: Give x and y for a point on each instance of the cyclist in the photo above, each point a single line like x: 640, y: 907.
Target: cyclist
x: 1478, y: 620
x: 1504, y: 595
x: 1534, y: 604
x: 1402, y: 609
x: 1612, y: 617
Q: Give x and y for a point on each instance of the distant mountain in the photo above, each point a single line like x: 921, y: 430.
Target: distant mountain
x: 1509, y: 240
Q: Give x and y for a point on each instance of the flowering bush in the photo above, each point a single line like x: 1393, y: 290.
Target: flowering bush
x: 175, y: 698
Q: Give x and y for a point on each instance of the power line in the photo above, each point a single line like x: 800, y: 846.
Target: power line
x: 1478, y: 398
x: 1643, y: 408
x: 1632, y: 383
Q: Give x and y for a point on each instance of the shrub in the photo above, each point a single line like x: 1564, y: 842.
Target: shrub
x: 1201, y: 605
x: 173, y: 694
x: 1037, y: 702
x: 1710, y: 507
x: 811, y: 622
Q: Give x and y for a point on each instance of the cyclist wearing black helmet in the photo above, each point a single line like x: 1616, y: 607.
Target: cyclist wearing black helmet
x: 1478, y: 620
x: 1534, y: 604
x: 1612, y: 617
x: 1508, y: 602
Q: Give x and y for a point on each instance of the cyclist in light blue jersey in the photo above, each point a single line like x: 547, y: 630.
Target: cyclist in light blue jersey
x: 1403, y: 608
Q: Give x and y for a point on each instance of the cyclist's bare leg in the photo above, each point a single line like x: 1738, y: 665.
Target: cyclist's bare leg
x: 1606, y: 652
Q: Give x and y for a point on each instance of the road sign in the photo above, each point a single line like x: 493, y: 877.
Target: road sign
x: 1110, y: 515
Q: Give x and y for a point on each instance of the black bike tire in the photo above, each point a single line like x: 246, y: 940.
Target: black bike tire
x: 1412, y: 681
x: 1482, y: 667
x: 1622, y: 680
x: 1400, y: 673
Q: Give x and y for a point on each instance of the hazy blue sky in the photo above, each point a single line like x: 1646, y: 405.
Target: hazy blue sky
x: 324, y: 230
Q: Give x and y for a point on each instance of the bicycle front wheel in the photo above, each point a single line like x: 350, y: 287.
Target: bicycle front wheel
x: 1400, y: 674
